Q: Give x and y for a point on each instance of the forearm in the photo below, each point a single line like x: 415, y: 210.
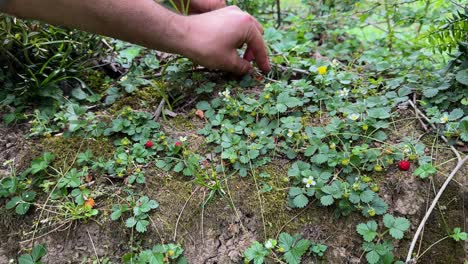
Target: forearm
x: 138, y: 21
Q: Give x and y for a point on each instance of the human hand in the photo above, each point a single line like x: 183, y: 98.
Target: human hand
x: 213, y: 38
x: 201, y: 6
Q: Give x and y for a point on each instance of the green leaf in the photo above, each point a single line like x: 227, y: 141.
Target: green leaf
x: 22, y: 208
x: 28, y: 196
x: 425, y: 170
x: 456, y: 114
x: 462, y: 77
x: 256, y: 252
x: 25, y: 259
x: 286, y: 241
x: 141, y: 226
x: 295, y: 191
x: 397, y: 226
x: 379, y: 113
x: 179, y: 167
x: 131, y: 222
x: 379, y: 205
x: 458, y: 235
x: 367, y: 196
x: 372, y: 257
x: 13, y: 202
x: 327, y: 200
x: 430, y: 92
x: 116, y: 215
x: 38, y: 252
x: 300, y: 201
x: 79, y: 94
x: 319, y: 158
x: 161, y: 164
x: 368, y: 231
x: 294, y: 254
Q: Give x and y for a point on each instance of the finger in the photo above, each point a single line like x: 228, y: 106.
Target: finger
x: 217, y: 4
x: 259, y: 26
x: 238, y: 65
x: 248, y: 55
x: 256, y: 44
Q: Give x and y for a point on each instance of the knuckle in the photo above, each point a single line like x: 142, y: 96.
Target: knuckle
x: 246, y: 18
x: 221, y: 3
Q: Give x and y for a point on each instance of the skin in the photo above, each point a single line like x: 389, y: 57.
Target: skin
x: 210, y: 38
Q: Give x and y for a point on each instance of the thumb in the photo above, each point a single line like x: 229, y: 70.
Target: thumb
x: 239, y: 65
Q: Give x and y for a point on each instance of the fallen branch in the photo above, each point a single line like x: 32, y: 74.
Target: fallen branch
x: 158, y: 111
x: 428, y: 213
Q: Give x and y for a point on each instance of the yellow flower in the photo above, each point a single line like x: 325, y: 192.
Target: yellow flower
x: 322, y: 70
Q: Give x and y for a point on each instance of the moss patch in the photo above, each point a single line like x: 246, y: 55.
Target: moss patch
x: 66, y: 149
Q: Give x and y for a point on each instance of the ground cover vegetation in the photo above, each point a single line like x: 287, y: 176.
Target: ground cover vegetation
x: 339, y: 154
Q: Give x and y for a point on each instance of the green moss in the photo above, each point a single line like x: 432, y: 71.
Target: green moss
x: 171, y: 194
x: 182, y: 123
x: 96, y: 80
x: 66, y: 149
x: 143, y: 98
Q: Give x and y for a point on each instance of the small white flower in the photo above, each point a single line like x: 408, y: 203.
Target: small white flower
x: 344, y: 92
x: 268, y: 244
x: 226, y: 94
x: 290, y: 133
x: 262, y: 133
x: 354, y: 116
x: 309, y: 181
x: 444, y: 119
x: 123, y: 79
x: 182, y: 139
x: 335, y: 63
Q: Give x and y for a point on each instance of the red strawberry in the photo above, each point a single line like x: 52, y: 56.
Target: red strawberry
x: 149, y: 144
x: 178, y: 144
x: 404, y: 165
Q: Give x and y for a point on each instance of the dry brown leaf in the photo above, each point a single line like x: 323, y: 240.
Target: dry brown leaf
x: 200, y: 114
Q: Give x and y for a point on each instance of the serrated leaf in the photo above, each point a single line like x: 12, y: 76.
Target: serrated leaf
x: 25, y: 259
x: 131, y: 222
x: 379, y: 113
x: 319, y: 158
x: 295, y: 191
x: 161, y: 164
x: 141, y: 226
x: 22, y: 208
x: 397, y: 226
x: 425, y: 170
x: 300, y: 201
x: 13, y: 202
x: 372, y: 257
x: 431, y: 92
x: 379, y: 205
x: 286, y: 241
x: 456, y: 114
x: 327, y: 200
x: 367, y: 196
x: 256, y: 252
x: 38, y: 252
x: 368, y: 231
x: 116, y: 215
x: 179, y: 167
x: 462, y: 77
